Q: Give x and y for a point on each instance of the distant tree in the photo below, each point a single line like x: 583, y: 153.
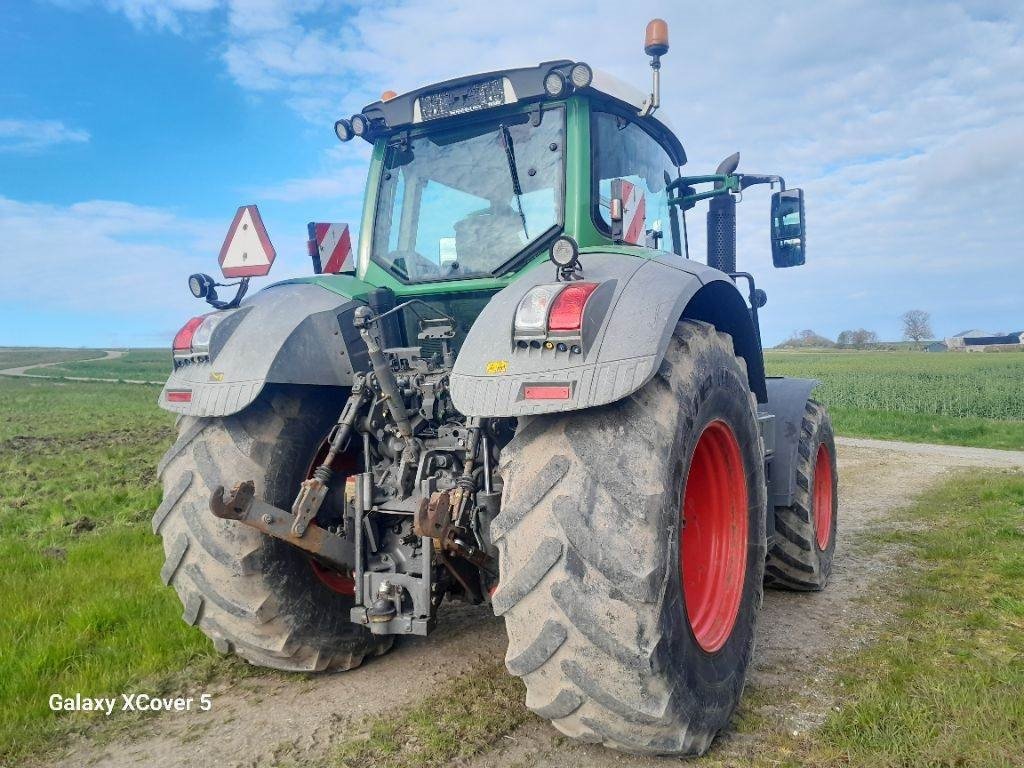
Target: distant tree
x: 806, y: 339
x: 863, y: 338
x: 917, y: 325
x: 856, y: 339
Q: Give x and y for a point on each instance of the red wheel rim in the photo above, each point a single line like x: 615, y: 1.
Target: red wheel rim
x: 713, y: 547
x: 340, y: 583
x: 823, y: 497
x: 343, y: 465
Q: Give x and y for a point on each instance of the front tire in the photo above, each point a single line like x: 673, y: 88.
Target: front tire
x: 623, y: 627
x: 254, y: 595
x: 805, y: 532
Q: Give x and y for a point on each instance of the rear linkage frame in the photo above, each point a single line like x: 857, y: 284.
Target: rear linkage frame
x: 415, y: 521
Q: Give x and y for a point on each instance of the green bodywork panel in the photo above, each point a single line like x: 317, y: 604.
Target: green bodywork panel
x: 577, y: 211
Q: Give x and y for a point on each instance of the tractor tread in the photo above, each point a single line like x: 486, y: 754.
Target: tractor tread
x: 517, y: 587
x: 171, y: 498
x: 564, y: 704
x: 511, y: 515
x: 542, y: 648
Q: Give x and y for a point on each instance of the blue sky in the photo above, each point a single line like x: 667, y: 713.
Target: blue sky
x: 130, y: 130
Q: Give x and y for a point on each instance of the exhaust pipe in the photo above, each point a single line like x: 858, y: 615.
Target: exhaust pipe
x: 722, y: 222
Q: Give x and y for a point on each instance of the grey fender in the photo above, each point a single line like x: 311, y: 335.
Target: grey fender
x: 285, y: 334
x: 626, y: 330
x: 787, y: 399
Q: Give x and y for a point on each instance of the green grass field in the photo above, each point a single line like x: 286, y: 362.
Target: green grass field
x: 83, y: 609
x: 137, y: 365
x: 942, y: 687
x: 954, y: 398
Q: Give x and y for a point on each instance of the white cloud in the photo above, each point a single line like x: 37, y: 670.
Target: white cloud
x: 173, y: 15
x: 341, y: 176
x: 36, y: 135
x: 903, y: 122
x: 100, y: 254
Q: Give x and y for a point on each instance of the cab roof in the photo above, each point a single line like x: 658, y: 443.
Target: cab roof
x: 447, y: 101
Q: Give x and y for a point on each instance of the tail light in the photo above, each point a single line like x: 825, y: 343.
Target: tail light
x: 194, y: 336
x: 532, y: 312
x: 183, y: 338
x: 567, y: 310
x: 555, y: 307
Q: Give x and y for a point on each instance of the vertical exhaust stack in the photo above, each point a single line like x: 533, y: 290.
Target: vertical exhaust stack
x: 722, y: 222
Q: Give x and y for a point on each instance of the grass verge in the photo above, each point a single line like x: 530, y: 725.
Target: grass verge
x: 943, y: 685
x: 462, y: 718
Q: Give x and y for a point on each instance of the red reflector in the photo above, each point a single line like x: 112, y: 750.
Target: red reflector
x: 567, y: 310
x: 183, y: 338
x: 547, y: 392
x: 179, y: 395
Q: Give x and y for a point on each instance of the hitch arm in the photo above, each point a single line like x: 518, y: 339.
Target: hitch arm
x: 240, y: 504
x: 314, y: 490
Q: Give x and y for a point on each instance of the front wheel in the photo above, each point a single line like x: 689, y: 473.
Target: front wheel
x: 632, y: 546
x: 805, y: 532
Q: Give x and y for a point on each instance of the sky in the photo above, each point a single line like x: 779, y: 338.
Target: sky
x: 130, y: 130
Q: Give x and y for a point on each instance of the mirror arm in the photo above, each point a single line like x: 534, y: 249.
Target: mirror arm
x: 216, y: 303
x: 724, y: 184
x: 750, y: 179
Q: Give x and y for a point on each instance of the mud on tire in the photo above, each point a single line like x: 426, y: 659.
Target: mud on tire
x: 251, y: 594
x: 800, y: 557
x: 589, y: 543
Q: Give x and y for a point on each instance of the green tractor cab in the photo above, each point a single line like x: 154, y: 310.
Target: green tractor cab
x: 518, y: 390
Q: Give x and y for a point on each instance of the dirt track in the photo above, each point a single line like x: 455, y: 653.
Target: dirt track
x: 263, y: 719
x: 25, y: 370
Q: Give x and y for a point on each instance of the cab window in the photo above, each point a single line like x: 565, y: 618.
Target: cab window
x: 623, y: 151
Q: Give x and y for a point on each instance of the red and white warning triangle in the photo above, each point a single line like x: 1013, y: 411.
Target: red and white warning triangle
x: 247, y: 250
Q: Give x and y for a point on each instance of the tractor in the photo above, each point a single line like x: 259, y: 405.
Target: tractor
x: 518, y: 389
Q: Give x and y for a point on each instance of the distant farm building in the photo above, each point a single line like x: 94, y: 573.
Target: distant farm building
x: 979, y: 341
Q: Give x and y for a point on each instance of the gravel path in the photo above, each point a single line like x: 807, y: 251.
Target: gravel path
x: 263, y: 719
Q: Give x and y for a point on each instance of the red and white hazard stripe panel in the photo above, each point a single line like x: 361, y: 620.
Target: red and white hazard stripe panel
x: 634, y: 214
x: 330, y: 247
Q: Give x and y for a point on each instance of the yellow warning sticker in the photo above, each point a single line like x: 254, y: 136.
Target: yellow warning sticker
x: 497, y: 366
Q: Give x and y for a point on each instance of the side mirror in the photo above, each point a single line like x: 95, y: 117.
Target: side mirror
x: 788, y: 232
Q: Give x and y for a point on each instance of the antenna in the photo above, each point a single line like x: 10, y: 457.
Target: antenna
x: 655, y: 46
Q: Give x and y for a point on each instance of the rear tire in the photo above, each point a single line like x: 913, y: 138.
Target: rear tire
x: 805, y: 532
x: 602, y: 628
x: 254, y: 595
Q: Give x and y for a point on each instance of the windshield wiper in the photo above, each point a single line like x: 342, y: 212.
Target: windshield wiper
x: 510, y: 155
